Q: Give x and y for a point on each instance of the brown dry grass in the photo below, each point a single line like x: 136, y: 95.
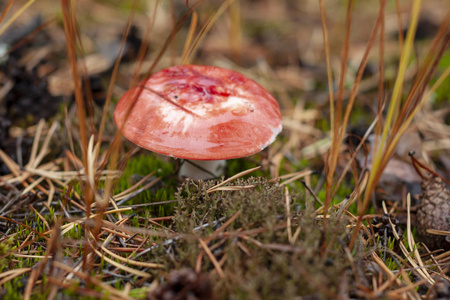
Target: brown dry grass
x: 314, y: 58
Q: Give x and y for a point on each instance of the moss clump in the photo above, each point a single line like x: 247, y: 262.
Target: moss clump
x: 258, y: 260
x: 263, y: 204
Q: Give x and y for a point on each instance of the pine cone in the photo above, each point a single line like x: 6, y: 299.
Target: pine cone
x: 381, y: 225
x: 440, y: 290
x: 184, y: 284
x: 434, y: 213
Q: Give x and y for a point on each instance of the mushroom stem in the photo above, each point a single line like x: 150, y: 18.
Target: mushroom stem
x: 202, y: 169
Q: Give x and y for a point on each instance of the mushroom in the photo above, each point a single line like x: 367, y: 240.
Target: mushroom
x: 203, y: 114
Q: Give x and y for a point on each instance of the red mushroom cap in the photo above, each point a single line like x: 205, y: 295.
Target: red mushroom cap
x: 200, y: 113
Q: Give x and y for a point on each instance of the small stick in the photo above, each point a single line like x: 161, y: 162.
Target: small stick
x: 311, y: 192
x: 212, y: 258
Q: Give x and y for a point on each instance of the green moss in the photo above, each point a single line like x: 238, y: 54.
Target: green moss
x: 139, y: 293
x: 6, y: 247
x: 360, y: 116
x: 76, y: 232
x: 323, y: 125
x: 123, y: 5
x: 297, y: 270
x: 442, y: 94
x: 13, y: 289
x: 199, y: 207
x: 142, y: 165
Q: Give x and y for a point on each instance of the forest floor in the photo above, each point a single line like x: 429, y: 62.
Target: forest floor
x: 351, y: 201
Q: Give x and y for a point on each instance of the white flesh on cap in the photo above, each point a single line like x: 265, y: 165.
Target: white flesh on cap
x: 202, y: 169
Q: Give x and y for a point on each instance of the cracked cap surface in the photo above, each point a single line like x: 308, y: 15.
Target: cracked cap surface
x: 199, y: 112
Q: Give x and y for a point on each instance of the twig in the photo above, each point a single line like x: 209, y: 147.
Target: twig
x: 212, y: 258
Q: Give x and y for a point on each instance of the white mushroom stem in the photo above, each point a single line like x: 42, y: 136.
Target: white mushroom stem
x: 202, y: 169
